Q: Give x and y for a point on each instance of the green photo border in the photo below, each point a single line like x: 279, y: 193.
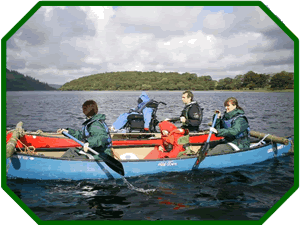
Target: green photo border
x: 151, y: 3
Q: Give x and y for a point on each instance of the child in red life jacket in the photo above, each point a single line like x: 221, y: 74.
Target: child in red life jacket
x: 170, y: 135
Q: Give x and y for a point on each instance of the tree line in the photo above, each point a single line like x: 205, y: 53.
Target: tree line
x: 16, y: 81
x: 135, y: 80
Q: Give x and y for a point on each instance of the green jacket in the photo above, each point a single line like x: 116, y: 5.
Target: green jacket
x: 99, y: 137
x: 239, y: 126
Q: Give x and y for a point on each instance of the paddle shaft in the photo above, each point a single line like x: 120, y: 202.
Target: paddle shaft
x: 202, y: 152
x: 79, y: 142
x: 213, y: 125
x: 110, y: 161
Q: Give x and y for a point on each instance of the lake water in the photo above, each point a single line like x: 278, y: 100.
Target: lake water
x: 242, y: 193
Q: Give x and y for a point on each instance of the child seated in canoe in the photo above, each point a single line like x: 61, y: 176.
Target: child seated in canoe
x: 169, y: 147
x: 140, y: 109
x: 94, y: 134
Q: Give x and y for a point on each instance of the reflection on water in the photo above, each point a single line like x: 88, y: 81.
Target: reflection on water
x: 240, y: 193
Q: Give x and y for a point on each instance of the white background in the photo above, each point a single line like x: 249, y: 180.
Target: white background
x: 13, y: 11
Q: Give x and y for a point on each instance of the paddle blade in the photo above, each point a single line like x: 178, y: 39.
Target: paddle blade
x: 114, y: 164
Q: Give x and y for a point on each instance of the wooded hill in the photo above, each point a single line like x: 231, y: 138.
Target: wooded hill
x: 16, y: 81
x: 134, y: 80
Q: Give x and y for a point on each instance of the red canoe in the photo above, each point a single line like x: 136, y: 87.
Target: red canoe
x: 51, y: 140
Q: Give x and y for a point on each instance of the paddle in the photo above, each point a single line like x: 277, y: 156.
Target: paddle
x: 110, y: 161
x: 202, y: 152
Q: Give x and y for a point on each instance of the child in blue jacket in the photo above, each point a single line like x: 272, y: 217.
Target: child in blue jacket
x: 140, y: 109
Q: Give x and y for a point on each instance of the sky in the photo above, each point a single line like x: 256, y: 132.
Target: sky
x: 287, y: 11
x: 60, y: 44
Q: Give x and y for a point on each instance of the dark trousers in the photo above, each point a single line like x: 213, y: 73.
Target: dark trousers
x: 220, y: 149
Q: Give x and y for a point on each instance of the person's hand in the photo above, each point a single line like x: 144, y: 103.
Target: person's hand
x: 165, y: 132
x: 112, y: 129
x: 86, y: 147
x: 182, y: 119
x: 214, y: 130
x: 59, y: 131
x: 160, y: 148
x: 219, y: 113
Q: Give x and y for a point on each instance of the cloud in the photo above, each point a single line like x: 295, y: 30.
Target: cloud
x: 59, y: 44
x: 164, y: 18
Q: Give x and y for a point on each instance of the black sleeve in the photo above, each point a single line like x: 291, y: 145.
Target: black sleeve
x: 182, y: 113
x: 194, y: 115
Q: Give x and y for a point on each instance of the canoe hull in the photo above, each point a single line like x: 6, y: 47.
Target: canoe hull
x: 45, y: 168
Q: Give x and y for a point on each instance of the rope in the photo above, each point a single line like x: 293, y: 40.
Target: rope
x: 263, y: 139
x: 29, y: 150
x: 260, y: 142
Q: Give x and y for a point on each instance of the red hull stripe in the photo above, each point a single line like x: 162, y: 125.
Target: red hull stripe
x: 56, y: 142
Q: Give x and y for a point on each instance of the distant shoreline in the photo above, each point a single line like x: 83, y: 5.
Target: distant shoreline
x: 262, y: 90
x: 258, y: 90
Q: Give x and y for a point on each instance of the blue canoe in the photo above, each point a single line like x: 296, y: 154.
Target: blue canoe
x: 51, y: 168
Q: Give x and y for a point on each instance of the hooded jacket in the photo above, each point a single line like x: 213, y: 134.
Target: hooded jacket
x: 144, y: 100
x: 95, y: 132
x: 239, y: 126
x: 142, y: 109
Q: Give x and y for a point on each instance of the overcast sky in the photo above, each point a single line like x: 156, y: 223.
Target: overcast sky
x: 59, y: 44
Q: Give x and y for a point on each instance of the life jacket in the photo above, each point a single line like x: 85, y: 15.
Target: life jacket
x: 186, y: 109
x: 86, y: 133
x: 170, y: 146
x: 228, y: 123
x: 185, y: 113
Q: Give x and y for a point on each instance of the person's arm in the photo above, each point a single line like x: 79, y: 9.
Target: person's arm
x: 75, y: 133
x: 239, y: 125
x: 98, y: 135
x: 174, y: 119
x: 147, y: 112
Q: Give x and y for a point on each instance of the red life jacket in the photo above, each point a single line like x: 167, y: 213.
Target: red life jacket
x: 170, y: 135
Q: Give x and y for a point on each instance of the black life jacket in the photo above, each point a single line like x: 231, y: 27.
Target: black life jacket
x: 185, y: 111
